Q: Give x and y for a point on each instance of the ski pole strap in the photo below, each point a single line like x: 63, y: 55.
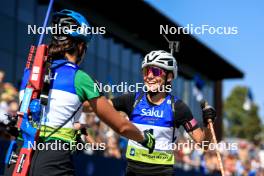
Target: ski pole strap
x: 141, y: 94
x: 174, y: 118
x: 45, y: 21
x: 65, y: 122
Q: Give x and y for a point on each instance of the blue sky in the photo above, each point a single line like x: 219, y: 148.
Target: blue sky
x: 245, y: 50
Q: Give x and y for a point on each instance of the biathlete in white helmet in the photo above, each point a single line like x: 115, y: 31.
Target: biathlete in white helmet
x: 157, y: 109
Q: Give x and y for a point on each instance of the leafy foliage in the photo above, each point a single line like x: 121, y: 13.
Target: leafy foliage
x: 242, y: 123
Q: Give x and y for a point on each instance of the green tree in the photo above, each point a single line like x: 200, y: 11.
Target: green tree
x: 242, y: 123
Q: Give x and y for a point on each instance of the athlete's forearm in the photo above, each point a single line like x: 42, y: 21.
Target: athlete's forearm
x: 207, y: 138
x: 112, y: 118
x: 202, y: 136
x: 207, y: 134
x: 110, y: 101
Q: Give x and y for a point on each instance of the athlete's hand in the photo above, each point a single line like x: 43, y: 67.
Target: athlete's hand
x: 208, y: 113
x: 35, y: 109
x: 149, y: 140
x: 28, y: 131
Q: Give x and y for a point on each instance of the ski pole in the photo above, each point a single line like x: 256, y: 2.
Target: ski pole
x: 46, y: 21
x: 204, y: 104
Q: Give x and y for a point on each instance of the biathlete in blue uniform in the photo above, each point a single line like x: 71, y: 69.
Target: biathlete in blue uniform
x: 69, y: 88
x: 159, y: 110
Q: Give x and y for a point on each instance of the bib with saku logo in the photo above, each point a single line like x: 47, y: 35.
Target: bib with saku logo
x: 159, y: 118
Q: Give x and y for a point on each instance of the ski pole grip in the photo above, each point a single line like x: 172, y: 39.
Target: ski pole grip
x: 203, y: 104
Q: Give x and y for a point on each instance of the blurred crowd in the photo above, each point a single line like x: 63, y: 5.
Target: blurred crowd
x: 99, y: 133
x: 8, y: 107
x: 246, y: 160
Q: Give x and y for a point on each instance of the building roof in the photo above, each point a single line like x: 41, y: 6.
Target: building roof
x: 137, y: 23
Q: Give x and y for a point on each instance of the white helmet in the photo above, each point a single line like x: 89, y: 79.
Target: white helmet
x: 161, y: 59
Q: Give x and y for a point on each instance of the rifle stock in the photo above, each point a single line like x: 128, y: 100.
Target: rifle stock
x: 33, y: 90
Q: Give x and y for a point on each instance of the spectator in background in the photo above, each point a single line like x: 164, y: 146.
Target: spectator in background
x: 3, y: 103
x: 243, y: 151
x: 211, y: 162
x: 196, y: 158
x: 178, y: 153
x: 230, y: 165
x: 8, y: 105
x: 261, y: 156
x: 13, y: 107
x: 2, y: 76
x: 122, y: 140
x: 7, y: 91
x: 247, y: 169
x: 255, y: 165
x: 112, y: 149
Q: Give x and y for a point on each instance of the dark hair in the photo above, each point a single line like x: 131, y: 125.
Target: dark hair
x: 168, y: 72
x: 57, y: 49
